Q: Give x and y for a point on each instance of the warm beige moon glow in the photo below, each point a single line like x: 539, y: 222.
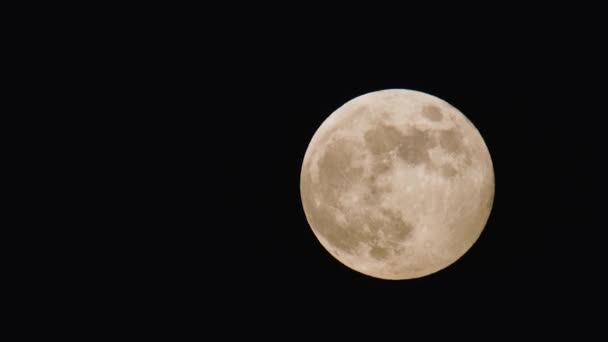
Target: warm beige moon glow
x: 397, y: 184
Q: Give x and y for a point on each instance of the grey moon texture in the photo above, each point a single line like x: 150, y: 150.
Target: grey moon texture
x: 397, y: 184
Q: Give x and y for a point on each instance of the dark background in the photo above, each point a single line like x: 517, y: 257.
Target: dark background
x: 226, y: 99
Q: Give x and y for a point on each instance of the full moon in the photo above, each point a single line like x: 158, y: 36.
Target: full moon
x: 397, y: 184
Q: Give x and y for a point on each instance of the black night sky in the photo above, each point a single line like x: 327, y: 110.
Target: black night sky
x: 227, y: 98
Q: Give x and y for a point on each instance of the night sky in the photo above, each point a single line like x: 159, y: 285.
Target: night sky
x: 227, y: 98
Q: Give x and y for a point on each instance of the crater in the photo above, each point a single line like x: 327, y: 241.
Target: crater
x: 378, y: 252
x: 451, y: 141
x: 432, y: 113
x: 323, y: 218
x: 335, y: 168
x: 382, y: 139
x: 325, y: 136
x: 385, y: 228
x: 448, y: 171
x: 414, y: 148
x: 345, y: 236
x: 389, y: 230
x: 394, y: 226
x: 376, y: 192
x: 382, y: 166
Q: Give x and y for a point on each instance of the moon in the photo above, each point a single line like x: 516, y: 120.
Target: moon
x: 397, y: 184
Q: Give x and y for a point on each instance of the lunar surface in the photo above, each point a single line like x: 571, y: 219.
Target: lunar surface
x: 397, y: 184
